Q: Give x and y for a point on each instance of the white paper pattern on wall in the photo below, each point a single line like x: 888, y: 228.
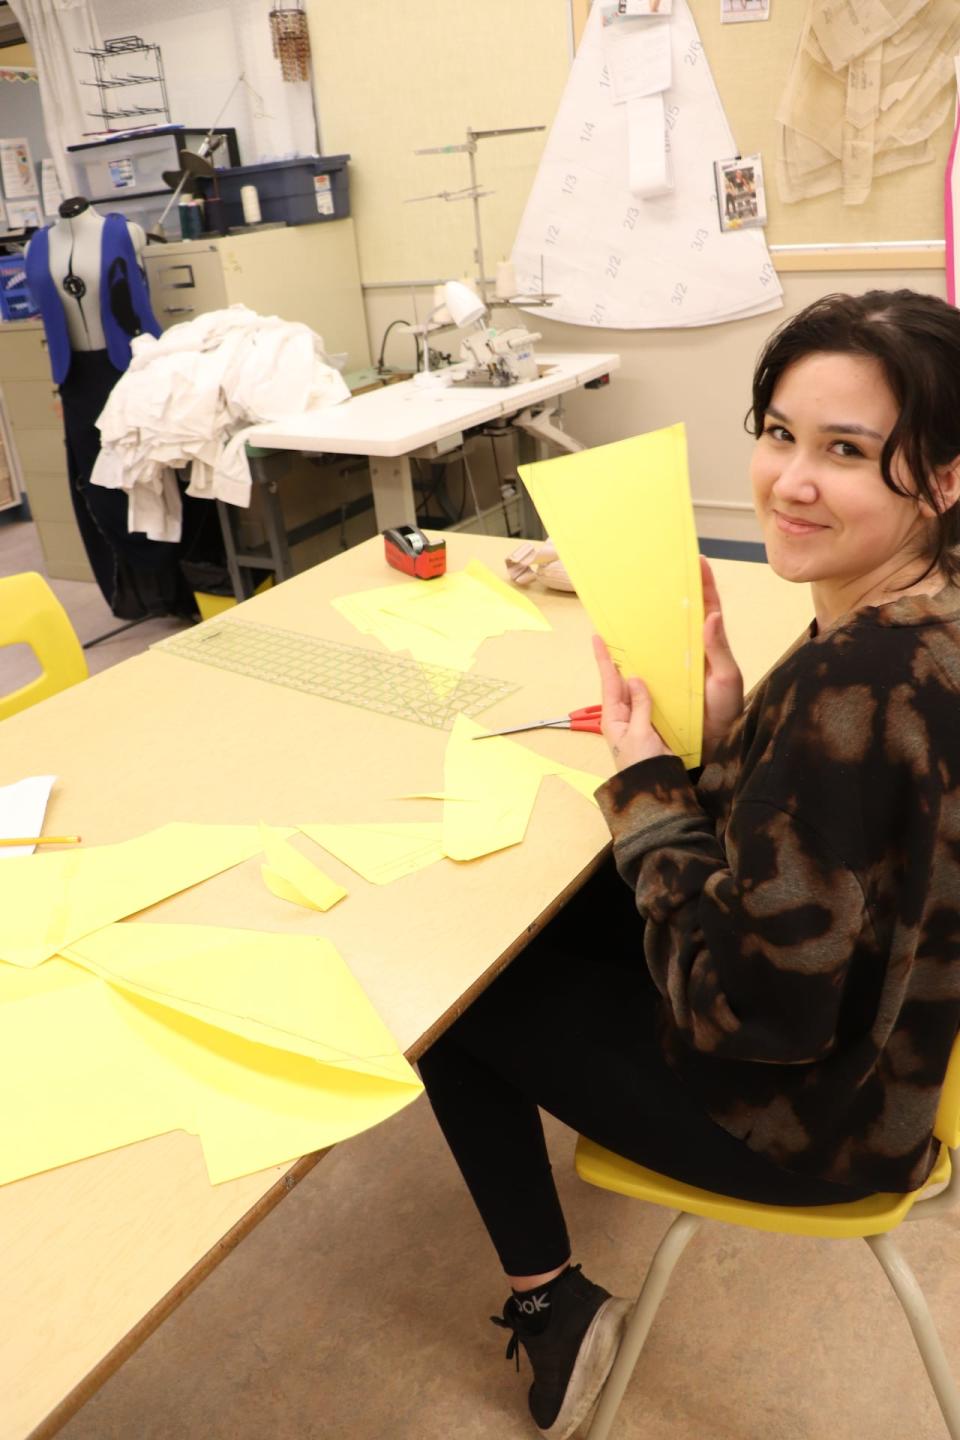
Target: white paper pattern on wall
x: 615, y: 260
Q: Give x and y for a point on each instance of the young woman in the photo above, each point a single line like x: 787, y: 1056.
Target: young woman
x: 767, y: 1006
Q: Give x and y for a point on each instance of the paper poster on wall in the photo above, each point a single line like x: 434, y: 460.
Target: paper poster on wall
x: 24, y: 214
x: 622, y: 222
x: 50, y: 190
x: 16, y: 168
x: 732, y: 11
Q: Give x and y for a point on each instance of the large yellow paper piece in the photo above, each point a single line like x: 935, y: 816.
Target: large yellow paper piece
x: 383, y: 852
x: 47, y: 901
x: 263, y: 1045
x: 621, y: 518
x: 442, y: 621
x: 291, y: 876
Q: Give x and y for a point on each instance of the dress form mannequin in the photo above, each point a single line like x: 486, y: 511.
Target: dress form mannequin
x: 69, y: 267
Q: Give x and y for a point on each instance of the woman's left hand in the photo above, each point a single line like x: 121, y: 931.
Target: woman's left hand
x: 625, y: 721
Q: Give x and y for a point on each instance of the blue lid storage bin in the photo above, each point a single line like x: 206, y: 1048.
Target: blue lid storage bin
x: 297, y: 192
x: 15, y: 300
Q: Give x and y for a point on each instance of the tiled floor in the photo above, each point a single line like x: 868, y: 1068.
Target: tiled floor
x: 358, y: 1309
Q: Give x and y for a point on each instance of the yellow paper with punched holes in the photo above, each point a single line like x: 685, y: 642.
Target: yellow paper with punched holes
x: 263, y: 1045
x: 47, y: 901
x: 621, y: 518
x: 291, y: 876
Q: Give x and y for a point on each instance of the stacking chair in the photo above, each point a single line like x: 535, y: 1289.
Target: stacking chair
x: 31, y: 614
x: 870, y: 1219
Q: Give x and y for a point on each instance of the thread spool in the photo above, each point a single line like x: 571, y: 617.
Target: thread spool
x: 250, y: 201
x: 506, y: 280
x: 190, y: 219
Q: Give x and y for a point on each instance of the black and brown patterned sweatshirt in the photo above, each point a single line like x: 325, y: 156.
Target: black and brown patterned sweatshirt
x: 802, y: 899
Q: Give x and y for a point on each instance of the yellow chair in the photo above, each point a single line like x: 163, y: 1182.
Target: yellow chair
x: 870, y: 1219
x: 30, y: 614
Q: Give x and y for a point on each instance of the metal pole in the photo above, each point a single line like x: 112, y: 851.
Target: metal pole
x: 481, y: 269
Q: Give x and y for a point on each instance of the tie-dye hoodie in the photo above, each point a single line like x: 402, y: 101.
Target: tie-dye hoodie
x: 802, y: 899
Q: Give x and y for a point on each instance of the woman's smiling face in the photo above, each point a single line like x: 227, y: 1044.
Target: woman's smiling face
x: 827, y: 516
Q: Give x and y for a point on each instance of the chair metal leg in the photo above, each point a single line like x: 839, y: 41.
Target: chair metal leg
x: 669, y: 1250
x: 914, y: 1304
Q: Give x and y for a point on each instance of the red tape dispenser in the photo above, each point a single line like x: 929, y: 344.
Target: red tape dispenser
x: 409, y: 550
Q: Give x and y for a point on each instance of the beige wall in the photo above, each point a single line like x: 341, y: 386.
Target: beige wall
x: 496, y: 62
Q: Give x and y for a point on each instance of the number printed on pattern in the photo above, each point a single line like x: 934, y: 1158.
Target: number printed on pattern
x: 612, y: 269
x: 679, y: 291
x: 767, y: 274
x: 605, y: 78
x: 552, y: 235
x: 569, y: 184
x: 631, y: 218
x: 671, y: 115
x: 693, y: 52
x: 597, y: 314
x: 588, y: 128
x: 700, y: 239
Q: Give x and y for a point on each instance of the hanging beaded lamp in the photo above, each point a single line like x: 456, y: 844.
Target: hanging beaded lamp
x: 291, y: 41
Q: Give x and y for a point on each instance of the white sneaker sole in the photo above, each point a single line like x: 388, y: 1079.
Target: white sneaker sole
x: 598, y: 1350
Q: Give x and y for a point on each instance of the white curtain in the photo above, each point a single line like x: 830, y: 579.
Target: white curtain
x: 56, y: 30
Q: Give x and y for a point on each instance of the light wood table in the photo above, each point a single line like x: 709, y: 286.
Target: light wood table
x: 97, y: 1253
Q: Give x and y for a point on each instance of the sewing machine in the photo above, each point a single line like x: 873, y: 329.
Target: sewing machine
x: 499, y: 357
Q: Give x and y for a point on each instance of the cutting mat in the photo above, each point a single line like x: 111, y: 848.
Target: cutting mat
x: 425, y: 694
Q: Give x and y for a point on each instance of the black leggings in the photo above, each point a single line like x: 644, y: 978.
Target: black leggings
x: 569, y: 1026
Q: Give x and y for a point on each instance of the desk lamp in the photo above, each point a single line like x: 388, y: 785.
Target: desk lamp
x: 464, y: 307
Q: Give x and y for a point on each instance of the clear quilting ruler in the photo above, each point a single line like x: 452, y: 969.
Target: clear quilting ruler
x: 406, y: 689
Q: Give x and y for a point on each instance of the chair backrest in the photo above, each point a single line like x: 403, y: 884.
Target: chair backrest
x: 30, y: 614
x: 946, y: 1127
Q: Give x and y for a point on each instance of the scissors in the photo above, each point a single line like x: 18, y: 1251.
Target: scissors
x: 587, y: 718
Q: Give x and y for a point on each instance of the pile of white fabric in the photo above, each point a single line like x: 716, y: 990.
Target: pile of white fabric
x: 189, y: 398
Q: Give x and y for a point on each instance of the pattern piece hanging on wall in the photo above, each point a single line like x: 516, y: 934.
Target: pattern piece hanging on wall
x: 870, y: 84
x: 614, y: 259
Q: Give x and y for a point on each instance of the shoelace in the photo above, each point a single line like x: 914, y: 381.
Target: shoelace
x: 513, y: 1344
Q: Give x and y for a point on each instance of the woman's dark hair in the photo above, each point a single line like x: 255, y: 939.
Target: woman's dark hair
x: 916, y: 340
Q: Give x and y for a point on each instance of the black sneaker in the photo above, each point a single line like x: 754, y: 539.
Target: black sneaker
x: 572, y: 1356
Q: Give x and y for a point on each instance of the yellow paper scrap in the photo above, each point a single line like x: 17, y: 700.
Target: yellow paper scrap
x: 443, y: 621
x: 263, y: 1045
x: 381, y: 853
x: 499, y: 781
x: 495, y: 781
x: 291, y: 876
x: 47, y: 901
x: 621, y: 518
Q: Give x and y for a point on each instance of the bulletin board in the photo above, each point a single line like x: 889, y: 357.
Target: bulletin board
x: 394, y: 78
x: 21, y: 114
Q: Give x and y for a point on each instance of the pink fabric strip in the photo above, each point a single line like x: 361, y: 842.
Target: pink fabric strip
x: 949, y: 182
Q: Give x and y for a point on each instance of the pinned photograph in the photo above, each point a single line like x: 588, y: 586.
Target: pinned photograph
x: 741, y: 199
x: 731, y: 11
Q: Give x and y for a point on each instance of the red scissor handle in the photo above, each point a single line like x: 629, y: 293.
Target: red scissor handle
x: 587, y: 718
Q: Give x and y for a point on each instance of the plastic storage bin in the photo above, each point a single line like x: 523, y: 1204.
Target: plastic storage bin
x: 130, y: 164
x: 15, y: 300
x: 297, y: 192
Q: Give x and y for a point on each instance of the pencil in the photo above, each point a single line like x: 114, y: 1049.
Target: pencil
x: 40, y: 840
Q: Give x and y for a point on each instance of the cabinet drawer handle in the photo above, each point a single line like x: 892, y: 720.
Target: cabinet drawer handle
x: 178, y: 309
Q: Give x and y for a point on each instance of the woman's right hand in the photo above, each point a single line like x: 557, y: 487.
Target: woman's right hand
x: 722, y: 681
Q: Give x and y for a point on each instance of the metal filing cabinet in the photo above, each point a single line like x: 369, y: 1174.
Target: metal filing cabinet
x: 36, y: 425
x: 302, y: 272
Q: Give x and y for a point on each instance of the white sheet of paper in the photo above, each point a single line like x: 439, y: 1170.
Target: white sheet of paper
x: 637, y: 54
x: 50, y: 187
x: 22, y: 808
x: 21, y: 213
x: 649, y: 159
x: 619, y: 262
